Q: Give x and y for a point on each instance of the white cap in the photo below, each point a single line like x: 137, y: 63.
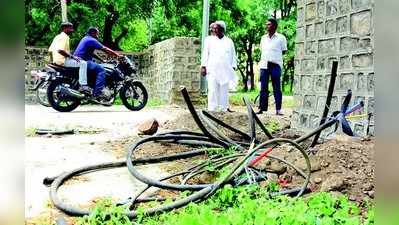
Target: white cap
x: 221, y: 23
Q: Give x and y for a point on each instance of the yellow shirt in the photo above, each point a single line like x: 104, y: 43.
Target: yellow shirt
x: 60, y: 42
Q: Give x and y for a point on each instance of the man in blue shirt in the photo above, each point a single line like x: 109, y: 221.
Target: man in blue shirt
x: 85, y: 51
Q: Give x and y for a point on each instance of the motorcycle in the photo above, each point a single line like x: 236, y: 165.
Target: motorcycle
x: 63, y: 94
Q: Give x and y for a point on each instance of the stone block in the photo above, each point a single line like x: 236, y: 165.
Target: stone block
x: 343, y: 24
x: 309, y: 102
x: 314, y: 121
x: 300, y: 16
x: 370, y: 105
x: 298, y: 99
x: 308, y: 65
x: 321, y: 102
x: 346, y: 81
x: 321, y: 9
x: 344, y: 62
x: 320, y: 83
x: 306, y: 82
x: 310, y: 32
x: 361, y: 23
x: 361, y: 82
x: 327, y: 46
x: 298, y: 66
x: 370, y: 82
x: 304, y: 120
x: 362, y: 60
x: 348, y: 44
x: 359, y: 129
x: 321, y: 63
x: 319, y: 30
x: 297, y: 83
x: 344, y: 6
x: 300, y: 50
x: 361, y: 4
x: 311, y: 47
x: 331, y: 8
x: 295, y: 118
x: 331, y: 27
x: 334, y: 104
x: 365, y: 44
x: 300, y: 34
x: 310, y: 11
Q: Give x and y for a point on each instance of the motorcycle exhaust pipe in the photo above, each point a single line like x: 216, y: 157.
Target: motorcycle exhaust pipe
x: 72, y: 93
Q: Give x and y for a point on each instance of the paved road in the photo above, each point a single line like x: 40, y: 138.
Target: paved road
x: 51, y: 155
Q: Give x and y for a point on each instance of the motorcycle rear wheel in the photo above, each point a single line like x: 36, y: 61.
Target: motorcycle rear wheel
x: 59, y: 101
x: 41, y: 94
x: 134, y: 95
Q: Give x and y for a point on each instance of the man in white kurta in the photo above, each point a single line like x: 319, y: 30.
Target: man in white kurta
x: 218, y: 64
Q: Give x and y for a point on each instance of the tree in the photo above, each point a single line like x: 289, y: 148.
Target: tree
x: 115, y: 18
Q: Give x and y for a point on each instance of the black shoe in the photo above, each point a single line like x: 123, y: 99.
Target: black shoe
x: 279, y: 113
x: 102, y: 100
x: 229, y: 110
x: 84, y: 89
x: 259, y: 112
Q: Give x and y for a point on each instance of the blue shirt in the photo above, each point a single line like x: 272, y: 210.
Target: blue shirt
x: 86, y: 48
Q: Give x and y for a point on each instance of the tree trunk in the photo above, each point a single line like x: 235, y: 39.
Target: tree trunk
x: 244, y: 78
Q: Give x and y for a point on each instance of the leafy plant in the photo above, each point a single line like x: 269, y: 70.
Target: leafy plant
x: 273, y: 126
x: 106, y: 213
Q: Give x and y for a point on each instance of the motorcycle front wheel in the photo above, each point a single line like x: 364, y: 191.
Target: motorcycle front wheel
x: 58, y: 100
x: 134, y: 96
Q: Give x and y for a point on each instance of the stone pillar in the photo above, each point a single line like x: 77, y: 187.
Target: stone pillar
x: 167, y: 65
x: 35, y: 59
x: 329, y: 30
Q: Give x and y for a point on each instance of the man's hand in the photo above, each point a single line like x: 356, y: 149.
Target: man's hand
x: 203, y: 71
x: 76, y: 58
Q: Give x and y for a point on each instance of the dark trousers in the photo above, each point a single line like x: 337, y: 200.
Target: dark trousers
x: 274, y: 71
x: 100, y: 76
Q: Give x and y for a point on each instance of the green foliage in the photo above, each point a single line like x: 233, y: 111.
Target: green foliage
x: 221, y: 151
x: 273, y: 126
x: 43, y: 19
x: 249, y: 204
x: 106, y: 213
x: 252, y: 205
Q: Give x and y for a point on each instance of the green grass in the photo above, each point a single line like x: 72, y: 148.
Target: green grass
x: 246, y: 205
x: 152, y: 102
x: 30, y: 132
x: 236, y: 98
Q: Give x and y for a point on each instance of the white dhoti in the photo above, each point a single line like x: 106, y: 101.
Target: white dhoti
x: 218, y: 95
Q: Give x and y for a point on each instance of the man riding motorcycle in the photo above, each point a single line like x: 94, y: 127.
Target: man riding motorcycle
x: 61, y: 56
x: 85, y: 51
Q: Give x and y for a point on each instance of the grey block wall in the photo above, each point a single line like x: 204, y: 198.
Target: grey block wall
x: 333, y: 30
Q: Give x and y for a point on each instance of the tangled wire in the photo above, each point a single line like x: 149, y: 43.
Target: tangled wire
x: 249, y: 150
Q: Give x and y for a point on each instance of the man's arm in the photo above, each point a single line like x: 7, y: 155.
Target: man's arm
x: 111, y: 52
x: 66, y: 54
x: 204, y: 58
x: 234, y: 55
x: 284, y: 45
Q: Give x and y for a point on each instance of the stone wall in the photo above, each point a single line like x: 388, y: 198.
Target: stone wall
x: 333, y: 30
x: 163, y: 68
x: 35, y: 59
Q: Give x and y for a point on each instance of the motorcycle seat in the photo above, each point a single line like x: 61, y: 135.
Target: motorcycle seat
x: 63, y: 69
